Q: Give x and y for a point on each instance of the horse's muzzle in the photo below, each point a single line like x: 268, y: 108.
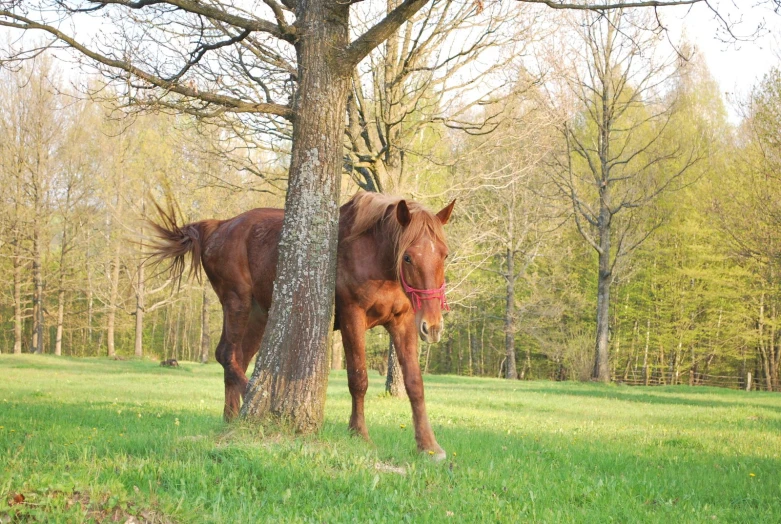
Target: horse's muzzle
x: 430, y: 333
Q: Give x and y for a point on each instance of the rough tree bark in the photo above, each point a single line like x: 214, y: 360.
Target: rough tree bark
x: 394, y: 379
x: 291, y: 373
x: 601, y: 370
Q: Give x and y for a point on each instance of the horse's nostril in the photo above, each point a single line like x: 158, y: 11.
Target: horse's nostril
x: 424, y: 327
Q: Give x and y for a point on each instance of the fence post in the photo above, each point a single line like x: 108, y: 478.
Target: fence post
x: 748, y: 381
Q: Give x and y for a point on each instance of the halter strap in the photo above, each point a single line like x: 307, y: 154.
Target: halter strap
x: 417, y: 296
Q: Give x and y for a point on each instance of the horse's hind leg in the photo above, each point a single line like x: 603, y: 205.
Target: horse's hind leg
x: 236, y: 312
x: 253, y: 334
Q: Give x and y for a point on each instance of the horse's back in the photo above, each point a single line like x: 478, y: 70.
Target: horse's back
x: 240, y: 254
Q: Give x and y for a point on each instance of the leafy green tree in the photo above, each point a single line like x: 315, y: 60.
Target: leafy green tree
x: 620, y: 153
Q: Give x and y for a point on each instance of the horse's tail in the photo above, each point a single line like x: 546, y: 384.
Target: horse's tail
x: 172, y: 241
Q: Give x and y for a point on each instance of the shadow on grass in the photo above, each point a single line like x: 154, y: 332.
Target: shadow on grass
x: 682, y: 395
x: 667, y: 396
x: 185, y: 462
x: 97, y: 365
x: 195, y: 468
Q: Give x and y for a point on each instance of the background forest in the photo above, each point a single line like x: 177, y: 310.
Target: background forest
x: 612, y: 221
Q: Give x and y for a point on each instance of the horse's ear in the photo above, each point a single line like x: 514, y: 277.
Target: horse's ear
x: 444, y: 214
x: 402, y: 213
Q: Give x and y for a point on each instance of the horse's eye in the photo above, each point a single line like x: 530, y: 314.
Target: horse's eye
x: 407, y: 259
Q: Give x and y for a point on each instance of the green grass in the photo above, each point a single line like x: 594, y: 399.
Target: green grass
x: 88, y: 439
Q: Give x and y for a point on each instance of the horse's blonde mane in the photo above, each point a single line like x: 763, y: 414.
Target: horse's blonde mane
x: 372, y: 209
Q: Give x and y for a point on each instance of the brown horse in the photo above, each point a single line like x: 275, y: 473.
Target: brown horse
x: 390, y: 272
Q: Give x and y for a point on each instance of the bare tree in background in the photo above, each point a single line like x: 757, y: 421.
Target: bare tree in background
x: 291, y: 61
x: 76, y: 188
x: 620, y: 153
x: 501, y: 186
x: 431, y: 75
x: 30, y: 139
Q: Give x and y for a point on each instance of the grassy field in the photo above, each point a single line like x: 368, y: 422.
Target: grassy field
x: 100, y: 440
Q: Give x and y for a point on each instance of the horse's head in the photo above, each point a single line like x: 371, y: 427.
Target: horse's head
x: 422, y: 266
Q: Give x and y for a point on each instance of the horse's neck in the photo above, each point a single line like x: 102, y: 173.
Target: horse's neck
x: 376, y: 248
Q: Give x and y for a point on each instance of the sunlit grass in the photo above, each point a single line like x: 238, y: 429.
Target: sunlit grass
x: 88, y: 439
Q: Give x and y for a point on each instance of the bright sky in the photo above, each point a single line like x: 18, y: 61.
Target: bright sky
x: 735, y: 65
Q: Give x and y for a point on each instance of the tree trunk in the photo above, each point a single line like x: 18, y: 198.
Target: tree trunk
x: 17, y: 298
x: 337, y: 351
x: 90, y: 297
x: 509, y: 319
x: 601, y: 371
x: 38, y: 292
x: 646, y: 376
x: 762, y: 348
x: 139, y: 338
x: 60, y: 319
x: 290, y: 377
x: 206, y: 336
x: 771, y: 350
x: 482, y: 349
x: 61, y: 290
x: 177, y: 334
x: 527, y: 364
x: 394, y: 380
x: 112, y: 306
x: 631, y: 352
x: 660, y: 367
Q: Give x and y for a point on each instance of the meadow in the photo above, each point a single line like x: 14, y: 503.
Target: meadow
x: 105, y: 440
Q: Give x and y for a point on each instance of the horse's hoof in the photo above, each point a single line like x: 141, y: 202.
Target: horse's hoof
x: 363, y: 434
x: 437, y: 455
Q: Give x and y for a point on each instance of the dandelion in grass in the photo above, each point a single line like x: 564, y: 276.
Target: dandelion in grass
x: 402, y: 426
x: 176, y: 422
x: 751, y: 475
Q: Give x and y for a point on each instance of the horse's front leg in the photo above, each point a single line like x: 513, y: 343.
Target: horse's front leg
x: 405, y: 338
x: 353, y: 327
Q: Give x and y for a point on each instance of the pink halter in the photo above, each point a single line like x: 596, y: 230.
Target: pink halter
x: 417, y: 296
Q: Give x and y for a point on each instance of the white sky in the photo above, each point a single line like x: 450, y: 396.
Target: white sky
x: 736, y: 66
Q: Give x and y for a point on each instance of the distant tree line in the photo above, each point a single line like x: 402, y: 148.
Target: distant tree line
x: 611, y: 223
